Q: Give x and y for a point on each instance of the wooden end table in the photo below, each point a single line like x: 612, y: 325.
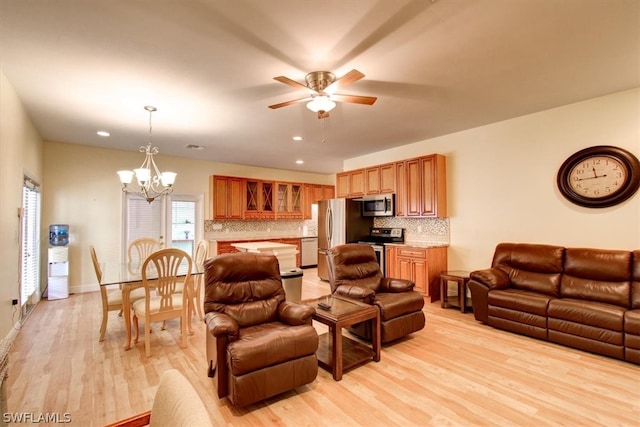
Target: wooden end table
x: 338, y: 353
x: 461, y: 278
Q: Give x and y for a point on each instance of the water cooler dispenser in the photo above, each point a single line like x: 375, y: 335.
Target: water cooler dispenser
x: 58, y: 271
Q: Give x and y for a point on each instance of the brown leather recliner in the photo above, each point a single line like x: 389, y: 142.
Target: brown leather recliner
x: 258, y: 344
x: 354, y: 273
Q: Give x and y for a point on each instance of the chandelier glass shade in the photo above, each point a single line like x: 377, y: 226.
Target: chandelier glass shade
x: 321, y: 103
x: 151, y: 183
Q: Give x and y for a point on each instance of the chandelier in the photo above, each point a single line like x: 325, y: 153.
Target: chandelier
x: 151, y: 183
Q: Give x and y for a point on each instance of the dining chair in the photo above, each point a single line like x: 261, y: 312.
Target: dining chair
x: 202, y: 253
x: 141, y: 248
x: 195, y: 298
x: 111, y: 298
x: 161, y: 301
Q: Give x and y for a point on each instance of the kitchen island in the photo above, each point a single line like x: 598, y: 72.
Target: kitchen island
x: 285, y: 253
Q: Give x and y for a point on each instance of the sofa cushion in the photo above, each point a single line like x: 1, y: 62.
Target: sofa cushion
x: 270, y: 344
x: 519, y: 300
x: 597, y: 275
x: 395, y: 305
x: 600, y: 315
x: 531, y: 267
x: 635, y: 280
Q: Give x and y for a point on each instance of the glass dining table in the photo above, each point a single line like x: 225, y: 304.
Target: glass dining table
x: 129, y: 276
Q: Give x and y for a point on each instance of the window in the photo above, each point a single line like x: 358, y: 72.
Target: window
x: 183, y: 219
x: 30, y: 245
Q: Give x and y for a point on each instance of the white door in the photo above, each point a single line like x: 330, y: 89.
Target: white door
x: 167, y: 219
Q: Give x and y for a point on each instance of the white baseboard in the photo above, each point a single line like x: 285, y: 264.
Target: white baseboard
x: 79, y: 289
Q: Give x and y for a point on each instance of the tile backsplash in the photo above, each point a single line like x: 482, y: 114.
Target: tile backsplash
x: 420, y: 230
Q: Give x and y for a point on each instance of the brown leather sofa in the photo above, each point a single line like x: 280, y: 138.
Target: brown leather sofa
x: 354, y: 273
x: 258, y: 344
x: 583, y: 298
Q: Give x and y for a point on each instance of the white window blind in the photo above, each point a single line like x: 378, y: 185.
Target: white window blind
x: 30, y: 271
x: 144, y: 219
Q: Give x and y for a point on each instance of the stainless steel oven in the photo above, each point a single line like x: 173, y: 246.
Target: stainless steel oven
x: 377, y: 239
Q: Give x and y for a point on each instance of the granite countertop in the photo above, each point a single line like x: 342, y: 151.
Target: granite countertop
x: 232, y: 237
x: 419, y: 244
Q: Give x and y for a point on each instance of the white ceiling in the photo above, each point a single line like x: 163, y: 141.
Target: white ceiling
x: 437, y: 67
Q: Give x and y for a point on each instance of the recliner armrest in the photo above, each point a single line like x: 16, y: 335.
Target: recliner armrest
x: 391, y: 285
x: 493, y: 278
x: 356, y: 292
x: 220, y: 324
x: 295, y: 314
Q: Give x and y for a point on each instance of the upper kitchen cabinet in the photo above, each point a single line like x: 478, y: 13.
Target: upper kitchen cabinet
x: 421, y: 188
x: 289, y: 200
x: 380, y: 179
x: 259, y: 200
x: 226, y: 195
x: 350, y: 184
x: 313, y: 193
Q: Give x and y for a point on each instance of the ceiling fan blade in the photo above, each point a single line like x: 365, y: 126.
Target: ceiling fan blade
x: 323, y: 114
x: 354, y: 99
x: 288, y: 81
x: 344, y: 81
x: 287, y: 103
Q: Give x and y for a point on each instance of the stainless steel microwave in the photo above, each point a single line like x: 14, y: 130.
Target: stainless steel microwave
x: 379, y: 205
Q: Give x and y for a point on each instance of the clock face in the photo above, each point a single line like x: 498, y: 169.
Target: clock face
x: 600, y: 176
x: 597, y: 177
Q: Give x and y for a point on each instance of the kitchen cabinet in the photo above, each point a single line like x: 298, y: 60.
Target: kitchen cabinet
x: 356, y: 183
x: 313, y: 193
x: 421, y: 187
x: 289, y: 200
x: 380, y: 179
x: 422, y: 265
x: 226, y: 197
x: 401, y: 182
x: 342, y: 184
x: 259, y: 201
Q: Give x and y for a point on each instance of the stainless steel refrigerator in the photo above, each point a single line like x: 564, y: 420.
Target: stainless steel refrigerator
x: 340, y: 221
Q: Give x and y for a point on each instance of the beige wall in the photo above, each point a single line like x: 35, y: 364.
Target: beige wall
x: 83, y: 190
x: 20, y: 154
x: 501, y: 179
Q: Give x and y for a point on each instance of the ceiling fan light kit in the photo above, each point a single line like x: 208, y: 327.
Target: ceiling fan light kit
x: 321, y: 103
x: 324, y: 87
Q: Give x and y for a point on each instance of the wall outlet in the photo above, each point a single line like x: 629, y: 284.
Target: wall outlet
x: 419, y: 229
x: 216, y: 227
x: 14, y: 302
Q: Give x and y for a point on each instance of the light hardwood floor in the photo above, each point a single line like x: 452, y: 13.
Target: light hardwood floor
x: 455, y: 372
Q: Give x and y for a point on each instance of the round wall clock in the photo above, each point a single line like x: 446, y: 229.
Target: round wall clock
x: 598, y: 177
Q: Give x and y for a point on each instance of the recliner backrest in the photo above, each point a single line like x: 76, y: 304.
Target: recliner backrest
x: 354, y: 264
x: 600, y: 275
x: 246, y: 286
x: 532, y: 267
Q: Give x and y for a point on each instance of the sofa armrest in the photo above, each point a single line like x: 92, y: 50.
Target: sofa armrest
x: 356, y: 292
x: 295, y: 314
x: 220, y: 324
x: 493, y: 278
x: 391, y: 285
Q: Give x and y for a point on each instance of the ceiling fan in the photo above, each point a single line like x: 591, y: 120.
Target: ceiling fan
x: 323, y: 86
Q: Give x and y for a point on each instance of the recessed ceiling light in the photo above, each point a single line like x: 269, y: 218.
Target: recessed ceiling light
x: 103, y: 133
x: 195, y: 147
x: 299, y: 162
x: 297, y: 138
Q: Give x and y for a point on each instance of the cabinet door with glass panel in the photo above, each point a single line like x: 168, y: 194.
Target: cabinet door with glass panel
x: 259, y: 203
x: 289, y: 200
